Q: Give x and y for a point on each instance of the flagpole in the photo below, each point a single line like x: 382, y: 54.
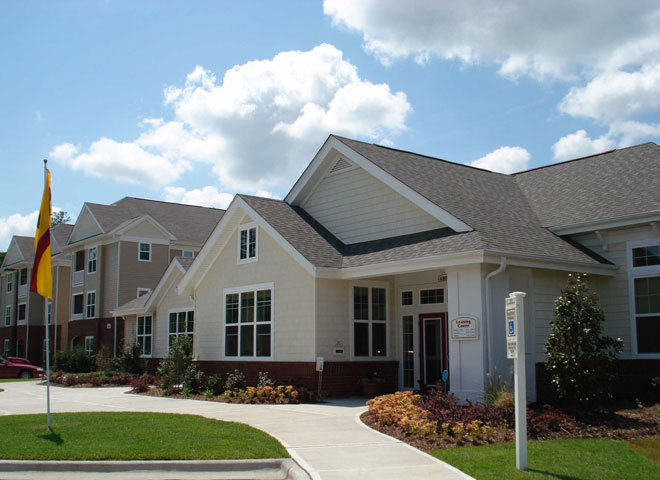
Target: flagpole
x: 47, y: 330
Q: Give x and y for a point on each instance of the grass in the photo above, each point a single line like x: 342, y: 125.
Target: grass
x: 7, y: 380
x: 580, y: 459
x: 132, y: 436
x: 647, y: 446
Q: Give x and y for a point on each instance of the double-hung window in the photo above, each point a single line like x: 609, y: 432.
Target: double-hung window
x: 6, y: 347
x: 89, y: 345
x: 182, y: 322
x: 10, y: 282
x: 7, y: 315
x: 247, y: 243
x: 144, y: 252
x: 369, y: 309
x: 91, y: 260
x: 143, y: 335
x: 22, y: 282
x: 91, y: 305
x: 645, y: 279
x: 22, y: 311
x: 249, y: 322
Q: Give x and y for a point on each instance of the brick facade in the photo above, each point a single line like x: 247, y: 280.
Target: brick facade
x: 102, y: 329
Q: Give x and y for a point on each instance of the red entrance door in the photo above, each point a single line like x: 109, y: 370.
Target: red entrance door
x: 433, y: 347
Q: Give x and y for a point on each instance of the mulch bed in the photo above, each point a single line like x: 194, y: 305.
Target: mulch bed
x: 616, y: 423
x: 158, y: 392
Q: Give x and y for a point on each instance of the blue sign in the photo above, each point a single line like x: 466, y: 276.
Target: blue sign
x: 512, y: 327
x: 445, y: 375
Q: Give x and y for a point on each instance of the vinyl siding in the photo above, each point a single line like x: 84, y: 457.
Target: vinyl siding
x: 357, y: 207
x: 161, y: 327
x: 134, y: 273
x: 85, y: 227
x: 108, y: 272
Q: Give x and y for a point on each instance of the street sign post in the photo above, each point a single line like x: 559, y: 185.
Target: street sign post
x: 515, y: 349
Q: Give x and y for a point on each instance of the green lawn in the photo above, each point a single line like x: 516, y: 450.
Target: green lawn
x: 6, y: 380
x: 132, y: 436
x: 584, y: 459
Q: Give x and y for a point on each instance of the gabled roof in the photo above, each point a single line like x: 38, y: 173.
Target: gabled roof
x: 60, y: 234
x: 25, y: 247
x: 187, y: 223
x: 613, y: 184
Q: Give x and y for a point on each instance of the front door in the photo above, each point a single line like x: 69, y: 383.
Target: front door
x: 434, y: 353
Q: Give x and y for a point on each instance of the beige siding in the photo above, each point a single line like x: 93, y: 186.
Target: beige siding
x: 145, y: 229
x: 332, y: 319
x: 108, y: 272
x: 357, y: 207
x: 134, y: 273
x: 293, y: 300
x: 85, y: 227
x: 8, y: 298
x: 94, y: 281
x: 169, y: 300
x: 129, y: 329
x: 61, y: 310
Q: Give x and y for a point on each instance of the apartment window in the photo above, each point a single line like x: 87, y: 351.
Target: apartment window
x: 91, y: 305
x: 89, y: 345
x: 6, y: 346
x: 247, y: 248
x: 142, y: 291
x: 646, y: 256
x: 645, y: 279
x: 369, y: 321
x: 23, y: 274
x: 10, y: 282
x: 188, y: 254
x: 78, y: 304
x: 181, y: 323
x: 434, y: 295
x: 144, y: 252
x: 79, y: 261
x: 406, y: 298
x: 143, y: 334
x: 49, y: 311
x: 21, y: 312
x: 91, y: 260
x: 7, y: 315
x: 248, y: 322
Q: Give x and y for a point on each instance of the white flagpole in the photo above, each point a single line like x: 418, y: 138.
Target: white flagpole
x: 47, y: 331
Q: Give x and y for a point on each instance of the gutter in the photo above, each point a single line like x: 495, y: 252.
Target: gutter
x: 489, y: 337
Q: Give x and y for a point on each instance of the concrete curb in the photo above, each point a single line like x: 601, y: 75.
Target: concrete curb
x: 275, y: 469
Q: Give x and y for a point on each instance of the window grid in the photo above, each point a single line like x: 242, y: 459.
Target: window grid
x: 144, y: 334
x: 406, y: 298
x: 646, y: 256
x: 8, y: 316
x: 10, y: 282
x: 91, y: 305
x: 91, y: 260
x: 7, y: 346
x: 369, y: 321
x: 181, y: 323
x: 248, y: 322
x: 247, y: 244
x: 144, y: 252
x: 431, y: 296
x: 645, y: 297
x: 89, y: 345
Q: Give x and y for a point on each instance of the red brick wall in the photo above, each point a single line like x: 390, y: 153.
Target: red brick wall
x: 97, y: 328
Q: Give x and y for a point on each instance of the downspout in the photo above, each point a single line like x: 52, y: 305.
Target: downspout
x: 489, y: 336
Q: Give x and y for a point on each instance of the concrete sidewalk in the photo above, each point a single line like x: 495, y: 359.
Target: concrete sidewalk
x: 328, y: 440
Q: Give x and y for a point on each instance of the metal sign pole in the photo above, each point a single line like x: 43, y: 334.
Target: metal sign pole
x: 515, y: 335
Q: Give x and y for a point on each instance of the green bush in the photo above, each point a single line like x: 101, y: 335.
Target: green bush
x: 235, y: 381
x: 579, y: 359
x: 132, y: 361
x: 172, y: 369
x: 76, y: 360
x: 214, y: 385
x: 106, y: 361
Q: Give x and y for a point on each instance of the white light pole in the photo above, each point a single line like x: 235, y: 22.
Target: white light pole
x: 515, y: 349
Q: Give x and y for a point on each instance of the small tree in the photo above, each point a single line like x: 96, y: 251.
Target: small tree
x: 172, y: 369
x: 579, y: 359
x: 59, y: 217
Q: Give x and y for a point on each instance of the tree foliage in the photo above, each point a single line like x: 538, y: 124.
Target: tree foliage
x: 579, y: 358
x: 2, y: 257
x: 59, y: 217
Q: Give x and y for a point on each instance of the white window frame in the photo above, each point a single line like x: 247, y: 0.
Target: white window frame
x: 143, y: 335
x: 88, y: 304
x: 18, y: 312
x: 238, y: 290
x: 92, y: 261
x: 246, y: 227
x: 187, y: 332
x: 10, y: 282
x: 144, y: 291
x: 351, y: 313
x: 77, y: 316
x: 6, y: 347
x: 633, y: 273
x: 139, y: 256
x: 7, y: 315
x: 91, y: 350
x: 188, y: 253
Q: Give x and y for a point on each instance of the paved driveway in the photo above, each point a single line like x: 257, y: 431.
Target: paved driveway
x: 328, y: 440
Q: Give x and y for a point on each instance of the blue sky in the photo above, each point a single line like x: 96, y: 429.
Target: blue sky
x: 195, y: 101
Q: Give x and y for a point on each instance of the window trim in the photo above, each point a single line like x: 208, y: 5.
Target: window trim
x: 8, y: 317
x: 249, y: 288
x: 247, y: 227
x: 140, y: 251
x: 370, y: 284
x: 89, y: 337
x: 633, y: 273
x: 90, y: 260
x: 169, y: 334
x: 10, y: 283
x: 137, y: 336
x: 18, y: 312
x: 74, y: 315
x: 86, y: 298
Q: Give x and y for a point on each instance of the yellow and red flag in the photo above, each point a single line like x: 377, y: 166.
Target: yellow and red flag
x: 42, y: 274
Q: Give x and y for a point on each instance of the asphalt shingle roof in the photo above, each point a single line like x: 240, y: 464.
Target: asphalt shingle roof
x: 188, y: 223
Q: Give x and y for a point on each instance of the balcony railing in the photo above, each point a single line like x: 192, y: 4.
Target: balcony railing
x: 78, y: 277
x: 76, y: 316
x: 22, y: 290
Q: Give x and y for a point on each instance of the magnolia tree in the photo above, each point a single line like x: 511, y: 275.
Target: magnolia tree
x: 579, y: 358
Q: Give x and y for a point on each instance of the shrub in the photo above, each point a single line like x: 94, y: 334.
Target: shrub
x: 214, y: 385
x: 265, y: 380
x: 141, y: 384
x: 235, y: 381
x: 132, y: 361
x: 192, y: 379
x: 497, y: 392
x: 172, y: 369
x: 76, y: 360
x: 402, y: 410
x: 579, y: 359
x: 106, y: 361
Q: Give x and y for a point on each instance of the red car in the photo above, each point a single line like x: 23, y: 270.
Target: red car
x: 14, y: 367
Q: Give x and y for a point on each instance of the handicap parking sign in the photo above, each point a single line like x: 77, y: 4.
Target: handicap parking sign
x: 512, y: 328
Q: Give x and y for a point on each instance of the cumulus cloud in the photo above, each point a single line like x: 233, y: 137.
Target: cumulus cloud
x: 538, y: 39
x: 257, y: 127
x: 504, y: 160
x: 205, y: 197
x: 579, y: 144
x: 17, y: 224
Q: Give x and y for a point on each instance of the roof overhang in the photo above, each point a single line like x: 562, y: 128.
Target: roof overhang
x: 608, y: 223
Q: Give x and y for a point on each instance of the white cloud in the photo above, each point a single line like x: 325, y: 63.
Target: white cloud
x: 632, y: 132
x: 17, y: 224
x: 504, y: 160
x: 616, y: 95
x: 206, y: 197
x: 257, y: 127
x: 579, y: 144
x: 538, y: 39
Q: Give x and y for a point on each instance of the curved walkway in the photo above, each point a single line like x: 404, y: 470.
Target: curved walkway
x: 326, y: 439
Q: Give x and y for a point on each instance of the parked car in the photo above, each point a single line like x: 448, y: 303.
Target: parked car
x: 10, y: 369
x: 15, y: 359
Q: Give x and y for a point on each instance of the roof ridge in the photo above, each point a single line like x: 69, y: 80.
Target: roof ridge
x: 260, y: 198
x: 163, y: 201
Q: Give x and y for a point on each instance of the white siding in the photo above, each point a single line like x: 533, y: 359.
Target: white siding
x: 169, y: 300
x: 356, y: 207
